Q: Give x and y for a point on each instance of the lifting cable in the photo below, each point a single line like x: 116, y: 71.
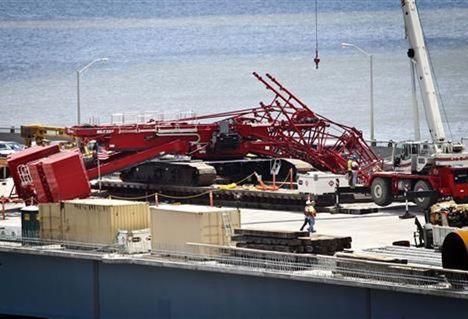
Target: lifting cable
x: 317, y: 58
x: 285, y: 180
x: 439, y: 95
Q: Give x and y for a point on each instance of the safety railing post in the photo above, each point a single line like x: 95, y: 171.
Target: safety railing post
x: 337, y: 196
x: 3, y: 209
x: 407, y: 214
x: 291, y: 179
x: 211, y: 199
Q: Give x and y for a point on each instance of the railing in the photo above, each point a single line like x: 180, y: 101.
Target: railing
x: 338, y: 268
x: 11, y: 129
x: 224, y: 258
x: 145, y: 117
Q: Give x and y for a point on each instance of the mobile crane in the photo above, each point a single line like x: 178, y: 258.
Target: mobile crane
x: 284, y: 128
x: 440, y: 166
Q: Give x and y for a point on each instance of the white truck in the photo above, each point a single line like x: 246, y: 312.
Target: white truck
x: 440, y: 167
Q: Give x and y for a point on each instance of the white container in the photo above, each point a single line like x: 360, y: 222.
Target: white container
x: 172, y: 226
x: 439, y: 233
x: 134, y: 241
x: 319, y: 183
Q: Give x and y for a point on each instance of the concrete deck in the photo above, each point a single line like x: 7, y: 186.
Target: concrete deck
x: 367, y: 231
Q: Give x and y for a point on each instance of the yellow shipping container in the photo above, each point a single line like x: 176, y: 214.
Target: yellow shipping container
x: 174, y: 225
x: 91, y: 220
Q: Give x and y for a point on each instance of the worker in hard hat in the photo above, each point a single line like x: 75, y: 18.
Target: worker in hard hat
x: 309, y: 216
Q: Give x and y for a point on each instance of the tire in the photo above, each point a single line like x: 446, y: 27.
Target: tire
x: 423, y: 202
x: 381, y: 191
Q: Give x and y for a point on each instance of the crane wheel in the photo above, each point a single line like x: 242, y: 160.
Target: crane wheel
x: 423, y: 202
x: 381, y: 191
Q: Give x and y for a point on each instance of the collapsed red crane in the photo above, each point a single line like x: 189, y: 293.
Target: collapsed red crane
x: 285, y: 128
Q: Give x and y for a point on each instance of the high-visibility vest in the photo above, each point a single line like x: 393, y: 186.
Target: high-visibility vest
x: 310, y: 211
x: 350, y: 165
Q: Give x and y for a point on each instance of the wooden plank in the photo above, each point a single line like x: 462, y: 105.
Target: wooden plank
x: 266, y: 240
x: 279, y: 248
x: 270, y: 233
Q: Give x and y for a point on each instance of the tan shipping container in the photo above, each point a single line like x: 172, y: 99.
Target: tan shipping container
x: 91, y: 220
x: 50, y: 221
x: 174, y: 225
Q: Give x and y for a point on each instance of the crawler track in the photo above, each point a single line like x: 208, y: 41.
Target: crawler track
x: 275, y: 200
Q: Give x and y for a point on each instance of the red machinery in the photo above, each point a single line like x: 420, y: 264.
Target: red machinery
x: 440, y: 166
x: 284, y: 128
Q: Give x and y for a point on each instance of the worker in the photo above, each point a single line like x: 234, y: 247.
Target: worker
x: 309, y: 216
x: 349, y: 171
x: 352, y: 171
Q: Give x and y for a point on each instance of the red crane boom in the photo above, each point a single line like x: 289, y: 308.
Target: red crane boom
x: 286, y: 128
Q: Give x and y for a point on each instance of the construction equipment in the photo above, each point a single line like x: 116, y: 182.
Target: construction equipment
x: 439, y: 166
x: 284, y: 128
x: 41, y: 134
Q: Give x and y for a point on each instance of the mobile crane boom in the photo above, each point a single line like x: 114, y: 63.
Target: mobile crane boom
x: 440, y: 167
x: 419, y: 55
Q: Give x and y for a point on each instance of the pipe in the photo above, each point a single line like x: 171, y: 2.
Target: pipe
x: 455, y: 250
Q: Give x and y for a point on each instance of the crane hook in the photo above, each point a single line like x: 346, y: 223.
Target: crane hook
x: 316, y: 60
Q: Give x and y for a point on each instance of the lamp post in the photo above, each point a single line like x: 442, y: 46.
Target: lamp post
x: 78, y: 73
x: 371, y: 70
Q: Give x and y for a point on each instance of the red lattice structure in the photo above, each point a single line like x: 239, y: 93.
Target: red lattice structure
x: 284, y: 128
x: 287, y: 127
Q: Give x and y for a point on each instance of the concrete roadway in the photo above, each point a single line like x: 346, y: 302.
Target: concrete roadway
x: 367, y: 231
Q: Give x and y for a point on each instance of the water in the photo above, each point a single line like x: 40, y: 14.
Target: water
x: 199, y: 55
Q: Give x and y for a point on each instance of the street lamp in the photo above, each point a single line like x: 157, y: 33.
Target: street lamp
x: 371, y: 68
x: 78, y: 73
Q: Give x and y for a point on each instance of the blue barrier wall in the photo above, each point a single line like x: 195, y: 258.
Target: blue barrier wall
x: 45, y: 286
x: 55, y: 287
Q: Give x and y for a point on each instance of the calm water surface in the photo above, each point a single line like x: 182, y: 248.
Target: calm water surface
x: 199, y: 55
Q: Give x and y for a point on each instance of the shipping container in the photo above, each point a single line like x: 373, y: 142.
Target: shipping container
x: 92, y: 220
x: 51, y: 221
x: 174, y: 225
x: 30, y: 222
